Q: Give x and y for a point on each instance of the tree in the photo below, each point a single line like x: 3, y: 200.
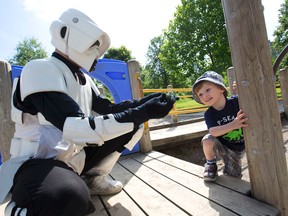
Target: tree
x: 281, y: 33
x: 196, y: 41
x: 121, y: 53
x: 27, y: 50
x: 154, y: 75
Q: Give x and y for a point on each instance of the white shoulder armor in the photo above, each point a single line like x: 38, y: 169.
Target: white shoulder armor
x: 40, y: 76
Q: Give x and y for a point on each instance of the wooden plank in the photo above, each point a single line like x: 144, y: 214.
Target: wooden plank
x: 145, y: 196
x: 100, y: 209
x: 121, y: 204
x: 231, y: 78
x: 240, y: 186
x: 174, y: 124
x: 283, y: 78
x: 182, y: 196
x: 234, y: 201
x: 160, y: 138
x: 7, y: 127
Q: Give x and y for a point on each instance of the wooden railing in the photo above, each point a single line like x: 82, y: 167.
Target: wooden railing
x: 195, y: 109
x: 178, y: 111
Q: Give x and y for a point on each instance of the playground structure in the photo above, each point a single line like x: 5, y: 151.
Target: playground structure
x: 253, y: 71
x: 257, y: 97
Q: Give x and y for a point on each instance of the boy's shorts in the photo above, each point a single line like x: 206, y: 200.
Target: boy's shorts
x: 231, y: 159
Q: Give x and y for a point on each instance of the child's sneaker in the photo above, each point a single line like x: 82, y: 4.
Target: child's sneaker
x: 211, y: 172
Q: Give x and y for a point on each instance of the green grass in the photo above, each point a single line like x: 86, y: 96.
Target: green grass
x: 186, y: 103
x: 278, y: 92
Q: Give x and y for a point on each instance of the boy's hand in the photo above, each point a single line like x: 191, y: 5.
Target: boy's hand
x: 234, y: 86
x: 240, y: 120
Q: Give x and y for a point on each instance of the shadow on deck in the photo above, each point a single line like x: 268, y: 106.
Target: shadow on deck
x: 157, y: 184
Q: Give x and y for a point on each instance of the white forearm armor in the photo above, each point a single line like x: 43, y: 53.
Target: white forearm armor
x: 78, y: 130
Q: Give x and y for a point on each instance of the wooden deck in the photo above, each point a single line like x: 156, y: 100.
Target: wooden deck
x: 157, y: 184
x: 160, y: 185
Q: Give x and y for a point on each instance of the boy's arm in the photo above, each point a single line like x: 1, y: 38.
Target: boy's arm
x: 238, y: 122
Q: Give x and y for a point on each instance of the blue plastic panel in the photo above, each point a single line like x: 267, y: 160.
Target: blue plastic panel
x: 114, y: 75
x: 16, y: 71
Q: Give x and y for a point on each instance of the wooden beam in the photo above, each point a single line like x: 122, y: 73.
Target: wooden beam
x: 7, y: 127
x: 137, y: 93
x: 231, y: 79
x: 283, y: 78
x: 257, y: 97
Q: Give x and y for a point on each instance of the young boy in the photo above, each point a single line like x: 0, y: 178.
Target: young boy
x: 224, y: 121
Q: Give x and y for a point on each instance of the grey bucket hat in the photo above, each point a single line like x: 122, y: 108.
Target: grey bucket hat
x: 209, y: 76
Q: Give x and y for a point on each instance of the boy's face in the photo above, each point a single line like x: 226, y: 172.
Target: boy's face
x: 210, y: 93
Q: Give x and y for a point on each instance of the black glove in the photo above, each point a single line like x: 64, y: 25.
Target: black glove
x: 148, y: 97
x: 122, y: 106
x: 157, y: 107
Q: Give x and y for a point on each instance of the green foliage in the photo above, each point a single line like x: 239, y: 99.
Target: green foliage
x: 121, y: 53
x: 154, y: 75
x: 281, y: 33
x: 195, y: 41
x: 28, y: 50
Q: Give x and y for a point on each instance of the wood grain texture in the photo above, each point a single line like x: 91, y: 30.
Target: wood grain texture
x: 257, y: 97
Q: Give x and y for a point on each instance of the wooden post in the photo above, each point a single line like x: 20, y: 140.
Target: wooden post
x: 137, y: 93
x: 283, y: 77
x: 101, y: 89
x: 173, y: 116
x: 7, y: 127
x: 231, y: 79
x: 257, y: 98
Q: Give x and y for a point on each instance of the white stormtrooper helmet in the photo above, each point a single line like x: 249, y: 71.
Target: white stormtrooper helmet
x: 78, y: 37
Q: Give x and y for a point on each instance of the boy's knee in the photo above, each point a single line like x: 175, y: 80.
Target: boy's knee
x: 207, y: 140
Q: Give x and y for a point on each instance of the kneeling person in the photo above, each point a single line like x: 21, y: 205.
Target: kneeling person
x: 224, y: 120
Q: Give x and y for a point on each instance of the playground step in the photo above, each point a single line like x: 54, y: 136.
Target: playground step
x: 170, y: 136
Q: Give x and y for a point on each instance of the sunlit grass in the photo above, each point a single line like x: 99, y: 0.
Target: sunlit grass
x: 186, y: 103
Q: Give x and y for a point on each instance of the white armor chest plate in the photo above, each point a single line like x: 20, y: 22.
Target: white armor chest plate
x: 42, y: 76
x: 82, y: 94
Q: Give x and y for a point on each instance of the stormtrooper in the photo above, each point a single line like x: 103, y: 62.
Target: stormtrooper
x: 68, y: 136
